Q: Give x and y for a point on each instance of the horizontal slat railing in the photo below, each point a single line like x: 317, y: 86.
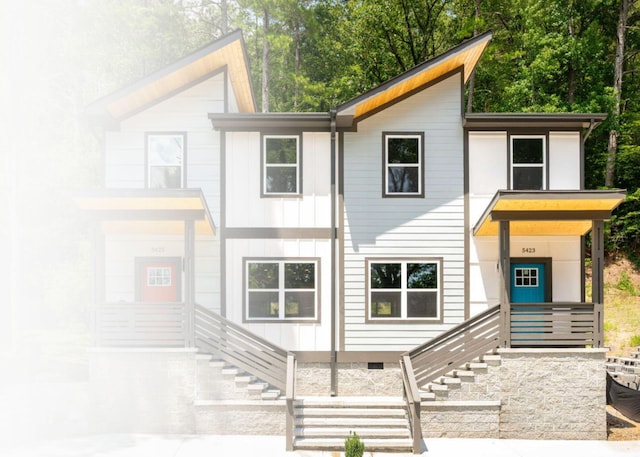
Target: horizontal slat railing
x: 471, y: 339
x: 412, y: 398
x: 140, y: 325
x: 553, y: 324
x: 239, y: 347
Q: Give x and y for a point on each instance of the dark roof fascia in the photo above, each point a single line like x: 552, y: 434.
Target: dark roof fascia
x: 413, y: 71
x: 98, y: 107
x: 249, y: 122
x: 559, y: 120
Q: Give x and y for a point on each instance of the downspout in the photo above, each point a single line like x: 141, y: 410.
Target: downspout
x: 334, y: 231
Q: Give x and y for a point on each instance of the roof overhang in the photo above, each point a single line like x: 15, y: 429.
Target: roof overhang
x: 552, y: 120
x: 548, y: 213
x: 226, y: 53
x: 263, y: 121
x: 148, y: 211
x: 463, y: 57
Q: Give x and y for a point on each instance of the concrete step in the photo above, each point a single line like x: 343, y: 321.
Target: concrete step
x: 476, y: 366
x: 271, y: 394
x: 427, y: 396
x: 434, y: 387
x: 448, y: 381
x: 389, y: 422
x: 465, y: 375
x: 343, y: 432
x: 307, y: 412
x: 370, y: 445
x: 351, y: 402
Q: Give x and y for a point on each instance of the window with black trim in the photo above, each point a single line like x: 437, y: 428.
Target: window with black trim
x: 528, y: 162
x: 165, y: 158
x: 407, y: 289
x: 525, y: 277
x: 403, y: 165
x: 281, y: 162
x: 281, y: 289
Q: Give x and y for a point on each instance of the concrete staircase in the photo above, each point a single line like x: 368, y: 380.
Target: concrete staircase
x: 217, y: 380
x: 625, y: 370
x: 323, y: 423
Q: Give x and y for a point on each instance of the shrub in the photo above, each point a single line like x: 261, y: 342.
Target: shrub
x: 634, y: 341
x: 353, y: 447
x: 624, y: 283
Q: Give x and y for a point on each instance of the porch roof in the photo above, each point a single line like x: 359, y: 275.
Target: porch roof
x: 148, y: 211
x: 548, y: 212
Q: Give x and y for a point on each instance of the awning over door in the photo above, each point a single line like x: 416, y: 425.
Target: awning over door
x: 149, y: 211
x: 539, y: 213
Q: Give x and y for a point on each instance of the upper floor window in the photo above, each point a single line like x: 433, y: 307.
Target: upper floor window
x: 281, y: 289
x: 281, y: 162
x: 403, y: 167
x: 165, y: 159
x: 528, y: 162
x: 406, y: 289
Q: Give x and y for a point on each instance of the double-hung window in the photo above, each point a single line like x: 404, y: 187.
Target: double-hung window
x: 404, y: 289
x: 165, y: 159
x: 528, y: 162
x: 281, y: 165
x: 281, y: 289
x: 403, y: 165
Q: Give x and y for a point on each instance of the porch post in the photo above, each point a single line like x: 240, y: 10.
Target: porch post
x: 190, y: 282
x: 597, y: 281
x: 99, y: 277
x: 504, y: 238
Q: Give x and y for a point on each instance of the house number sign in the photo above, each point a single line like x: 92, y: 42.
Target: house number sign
x: 528, y: 250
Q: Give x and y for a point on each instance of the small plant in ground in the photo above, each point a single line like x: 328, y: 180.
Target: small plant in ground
x: 634, y: 341
x: 625, y: 283
x: 353, y: 447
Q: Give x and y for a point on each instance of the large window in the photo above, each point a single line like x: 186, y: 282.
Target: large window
x: 528, y: 163
x: 281, y: 162
x: 407, y: 289
x: 281, y: 289
x: 165, y: 158
x: 403, y: 167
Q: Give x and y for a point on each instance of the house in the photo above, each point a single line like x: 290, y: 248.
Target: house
x: 359, y: 254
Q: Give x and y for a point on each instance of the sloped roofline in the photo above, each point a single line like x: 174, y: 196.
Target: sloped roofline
x: 464, y: 56
x: 189, y: 70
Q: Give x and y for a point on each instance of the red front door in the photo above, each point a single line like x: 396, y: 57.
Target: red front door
x: 158, y: 280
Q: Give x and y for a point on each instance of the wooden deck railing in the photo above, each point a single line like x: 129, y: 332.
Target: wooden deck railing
x: 238, y: 346
x: 412, y: 397
x: 554, y: 325
x: 461, y: 344
x: 141, y: 325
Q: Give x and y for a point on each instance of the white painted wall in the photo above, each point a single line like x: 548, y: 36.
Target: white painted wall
x: 405, y: 227
x: 564, y: 160
x: 246, y: 207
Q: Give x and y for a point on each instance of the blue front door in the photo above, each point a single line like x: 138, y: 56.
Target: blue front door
x: 527, y: 283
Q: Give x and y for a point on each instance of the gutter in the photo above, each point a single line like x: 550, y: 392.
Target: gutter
x: 334, y: 232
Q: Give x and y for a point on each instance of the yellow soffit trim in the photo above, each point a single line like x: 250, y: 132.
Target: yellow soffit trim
x: 153, y: 228
x: 231, y: 56
x: 465, y: 59
x: 537, y: 228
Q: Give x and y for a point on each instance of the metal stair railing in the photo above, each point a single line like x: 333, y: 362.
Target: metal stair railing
x: 238, y: 346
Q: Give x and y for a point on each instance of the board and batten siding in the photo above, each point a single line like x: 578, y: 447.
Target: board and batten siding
x: 245, y: 205
x: 488, y: 173
x: 429, y: 227
x: 125, y: 161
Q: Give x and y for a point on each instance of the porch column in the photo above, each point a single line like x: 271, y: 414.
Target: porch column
x: 597, y: 281
x: 99, y: 278
x: 190, y: 281
x: 504, y: 238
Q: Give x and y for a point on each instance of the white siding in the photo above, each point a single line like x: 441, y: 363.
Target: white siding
x: 430, y: 227
x: 246, y: 207
x: 564, y: 160
x: 292, y: 336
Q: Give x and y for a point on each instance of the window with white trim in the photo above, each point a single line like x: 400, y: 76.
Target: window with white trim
x: 281, y: 289
x: 281, y: 162
x: 159, y: 276
x: 528, y: 162
x: 525, y: 277
x: 403, y: 167
x: 165, y: 156
x: 407, y: 289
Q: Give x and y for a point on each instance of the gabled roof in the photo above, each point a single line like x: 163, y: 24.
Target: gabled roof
x: 227, y: 52
x: 465, y: 56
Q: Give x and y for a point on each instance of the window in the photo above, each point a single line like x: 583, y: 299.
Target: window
x: 165, y: 155
x: 408, y: 289
x: 403, y: 173
x: 528, y: 170
x: 525, y: 277
x: 281, y: 289
x: 158, y: 276
x: 281, y: 161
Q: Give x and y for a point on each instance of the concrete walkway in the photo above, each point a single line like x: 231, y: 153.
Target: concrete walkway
x: 273, y: 446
